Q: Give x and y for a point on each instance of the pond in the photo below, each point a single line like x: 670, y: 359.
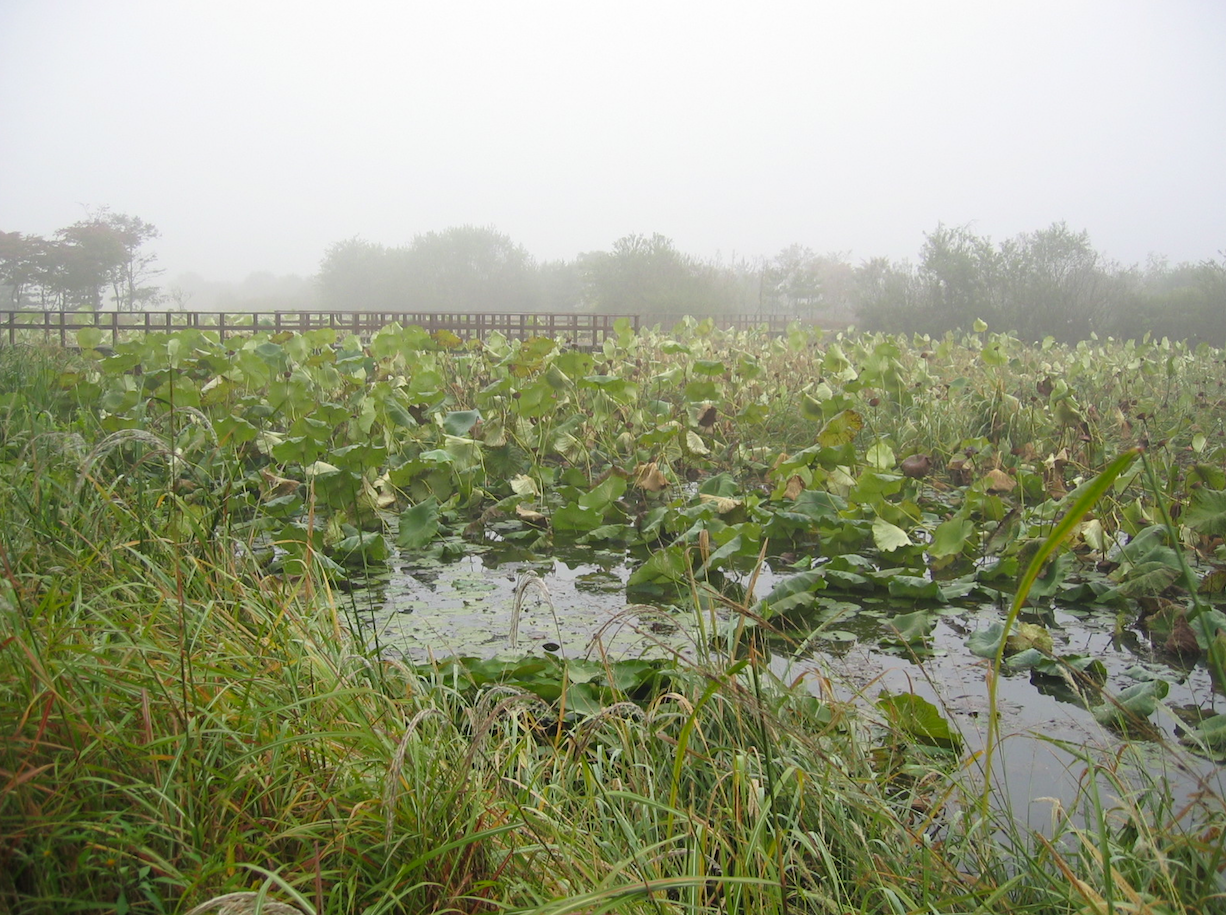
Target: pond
x: 574, y: 605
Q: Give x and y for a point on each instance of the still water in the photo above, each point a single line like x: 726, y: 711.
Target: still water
x: 575, y: 605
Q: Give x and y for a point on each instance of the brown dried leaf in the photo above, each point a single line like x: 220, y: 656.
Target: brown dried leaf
x: 275, y: 486
x: 527, y: 514
x: 648, y: 477
x: 998, y: 481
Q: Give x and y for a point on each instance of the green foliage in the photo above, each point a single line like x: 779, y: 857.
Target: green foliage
x: 186, y: 710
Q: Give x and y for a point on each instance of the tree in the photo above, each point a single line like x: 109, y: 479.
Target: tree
x: 1187, y: 301
x: 650, y: 276
x: 1056, y: 284
x: 887, y: 296
x: 960, y: 275
x: 1039, y: 284
x: 465, y: 268
x: 359, y: 275
x: 19, y: 264
x: 130, y: 281
x: 76, y: 267
x: 800, y: 281
x: 471, y: 269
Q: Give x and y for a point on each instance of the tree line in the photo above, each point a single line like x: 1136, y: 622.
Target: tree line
x: 469, y: 268
x: 1047, y: 283
x: 90, y: 264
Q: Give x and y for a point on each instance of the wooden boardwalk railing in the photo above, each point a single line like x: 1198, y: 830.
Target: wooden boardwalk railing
x: 585, y: 331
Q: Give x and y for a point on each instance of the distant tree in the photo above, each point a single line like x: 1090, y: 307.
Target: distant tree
x: 81, y: 263
x: 960, y: 274
x: 560, y: 285
x: 465, y: 268
x: 358, y: 275
x: 469, y: 268
x: 888, y: 296
x: 802, y: 282
x: 1186, y: 302
x: 131, y: 280
x: 649, y: 275
x: 20, y: 265
x: 1055, y: 284
x: 1039, y: 284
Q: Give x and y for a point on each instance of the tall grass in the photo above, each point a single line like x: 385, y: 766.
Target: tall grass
x: 181, y: 731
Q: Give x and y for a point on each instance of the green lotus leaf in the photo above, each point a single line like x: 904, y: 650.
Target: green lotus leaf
x: 919, y: 719
x: 914, y: 587
x: 418, y: 525
x: 1206, y: 512
x: 951, y: 537
x: 1133, y: 705
x: 912, y: 628
x: 889, y: 537
x: 460, y: 422
x: 796, y: 591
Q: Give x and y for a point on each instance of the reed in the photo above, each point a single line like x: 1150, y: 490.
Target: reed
x: 182, y: 732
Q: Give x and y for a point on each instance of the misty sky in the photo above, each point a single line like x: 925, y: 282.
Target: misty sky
x: 254, y: 134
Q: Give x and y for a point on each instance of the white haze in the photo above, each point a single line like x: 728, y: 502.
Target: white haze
x: 254, y: 134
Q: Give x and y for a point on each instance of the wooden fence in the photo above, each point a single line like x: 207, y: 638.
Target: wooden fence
x: 585, y: 331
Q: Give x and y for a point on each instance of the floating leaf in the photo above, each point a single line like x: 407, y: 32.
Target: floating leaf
x: 666, y: 565
x: 880, y: 455
x: 919, y: 719
x: 1029, y: 635
x: 985, y: 643
x: 527, y: 514
x: 418, y: 525
x: 810, y: 407
x: 997, y: 480
x: 604, y: 494
x: 695, y: 445
x: 89, y: 337
x: 914, y: 587
x: 797, y: 591
x: 1214, y: 582
x: 361, y: 548
x: 1064, y: 668
x: 523, y: 485
x: 889, y: 536
x: 951, y: 537
x: 1209, y: 735
x: 1147, y: 564
x: 912, y: 628
x: 1133, y: 705
x: 575, y: 517
x: 722, y: 504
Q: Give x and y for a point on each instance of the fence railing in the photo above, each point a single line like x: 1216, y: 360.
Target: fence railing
x: 585, y: 331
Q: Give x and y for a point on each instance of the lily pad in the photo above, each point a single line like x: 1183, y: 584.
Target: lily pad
x: 919, y: 719
x: 1133, y: 706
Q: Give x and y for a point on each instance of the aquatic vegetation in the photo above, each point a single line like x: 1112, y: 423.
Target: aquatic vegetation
x: 192, y: 708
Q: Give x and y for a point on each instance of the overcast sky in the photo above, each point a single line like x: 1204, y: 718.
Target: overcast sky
x: 254, y: 134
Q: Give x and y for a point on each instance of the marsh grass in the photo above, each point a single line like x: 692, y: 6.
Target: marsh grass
x: 180, y: 731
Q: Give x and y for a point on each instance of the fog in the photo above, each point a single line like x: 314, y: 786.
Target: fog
x: 253, y: 135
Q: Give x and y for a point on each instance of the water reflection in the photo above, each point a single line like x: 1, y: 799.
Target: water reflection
x: 429, y: 608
